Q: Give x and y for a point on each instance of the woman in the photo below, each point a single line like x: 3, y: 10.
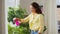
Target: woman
x: 36, y: 19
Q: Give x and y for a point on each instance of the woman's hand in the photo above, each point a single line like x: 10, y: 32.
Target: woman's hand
x: 39, y: 33
x: 16, y: 19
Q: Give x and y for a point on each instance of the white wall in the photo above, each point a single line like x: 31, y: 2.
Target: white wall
x: 50, y: 11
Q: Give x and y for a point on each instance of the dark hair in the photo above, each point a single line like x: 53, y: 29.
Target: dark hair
x: 37, y: 7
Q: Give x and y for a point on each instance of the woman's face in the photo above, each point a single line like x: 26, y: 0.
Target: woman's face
x: 32, y: 9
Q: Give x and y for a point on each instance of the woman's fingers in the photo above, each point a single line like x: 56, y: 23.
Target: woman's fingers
x: 15, y: 19
x: 39, y: 33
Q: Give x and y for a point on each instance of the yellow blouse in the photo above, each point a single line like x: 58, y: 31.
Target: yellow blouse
x: 36, y: 22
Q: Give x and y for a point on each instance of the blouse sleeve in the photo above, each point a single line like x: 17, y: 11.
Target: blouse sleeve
x: 25, y: 19
x: 41, y: 22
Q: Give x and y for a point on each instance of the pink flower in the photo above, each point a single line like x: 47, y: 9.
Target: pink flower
x: 17, y: 22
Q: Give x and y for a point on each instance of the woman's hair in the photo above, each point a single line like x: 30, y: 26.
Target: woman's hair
x: 37, y: 7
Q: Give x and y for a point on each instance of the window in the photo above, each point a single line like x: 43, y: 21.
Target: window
x: 12, y: 3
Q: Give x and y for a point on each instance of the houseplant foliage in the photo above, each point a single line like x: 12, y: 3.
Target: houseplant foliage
x: 18, y: 12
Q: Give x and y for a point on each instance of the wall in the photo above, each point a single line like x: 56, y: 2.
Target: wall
x: 50, y: 12
x: 0, y: 17
x: 3, y: 27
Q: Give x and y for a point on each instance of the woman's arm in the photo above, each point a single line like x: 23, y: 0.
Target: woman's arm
x: 25, y: 19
